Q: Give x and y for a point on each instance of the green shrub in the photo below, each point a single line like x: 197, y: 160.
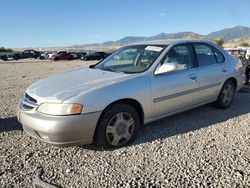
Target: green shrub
x: 220, y: 42
x: 244, y: 44
x: 2, y: 49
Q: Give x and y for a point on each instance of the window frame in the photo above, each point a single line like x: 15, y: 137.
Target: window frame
x: 215, y: 49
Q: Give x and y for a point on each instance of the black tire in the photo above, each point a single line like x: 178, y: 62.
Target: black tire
x: 102, y: 138
x: 4, y: 57
x: 224, y: 101
x: 15, y: 57
x: 41, y: 57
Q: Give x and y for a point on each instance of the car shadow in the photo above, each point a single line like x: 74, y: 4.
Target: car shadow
x: 189, y: 121
x: 10, y: 124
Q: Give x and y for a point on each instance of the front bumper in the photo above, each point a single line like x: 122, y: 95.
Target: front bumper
x: 59, y: 130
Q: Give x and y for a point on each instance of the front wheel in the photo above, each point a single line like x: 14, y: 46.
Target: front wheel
x: 117, y: 126
x: 226, y: 95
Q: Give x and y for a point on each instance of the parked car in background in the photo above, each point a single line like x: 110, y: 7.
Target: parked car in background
x: 83, y: 55
x: 26, y: 54
x: 77, y: 55
x: 248, y: 54
x: 95, y: 56
x: 108, y: 102
x: 241, y: 56
x: 4, y: 57
x: 62, y: 55
x: 44, y: 55
x: 51, y: 54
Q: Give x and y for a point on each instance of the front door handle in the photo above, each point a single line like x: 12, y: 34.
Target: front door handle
x: 193, y: 76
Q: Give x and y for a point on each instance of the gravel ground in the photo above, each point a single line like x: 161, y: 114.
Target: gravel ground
x: 204, y: 147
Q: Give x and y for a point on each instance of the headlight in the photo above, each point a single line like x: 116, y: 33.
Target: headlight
x: 60, y: 109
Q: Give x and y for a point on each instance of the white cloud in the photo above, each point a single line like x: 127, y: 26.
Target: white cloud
x: 93, y: 36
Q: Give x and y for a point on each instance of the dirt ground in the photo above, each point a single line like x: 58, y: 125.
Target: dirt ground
x: 204, y: 147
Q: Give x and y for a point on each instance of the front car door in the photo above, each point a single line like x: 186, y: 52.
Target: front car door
x: 25, y: 54
x: 175, y: 91
x: 212, y: 71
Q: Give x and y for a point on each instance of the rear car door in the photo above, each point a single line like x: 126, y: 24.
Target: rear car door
x: 175, y: 91
x: 212, y: 71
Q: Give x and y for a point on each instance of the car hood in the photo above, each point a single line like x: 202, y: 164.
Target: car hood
x: 68, y: 84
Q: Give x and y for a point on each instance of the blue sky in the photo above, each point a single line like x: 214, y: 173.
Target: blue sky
x: 44, y: 23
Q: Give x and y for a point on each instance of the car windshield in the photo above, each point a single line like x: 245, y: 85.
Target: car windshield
x: 132, y: 59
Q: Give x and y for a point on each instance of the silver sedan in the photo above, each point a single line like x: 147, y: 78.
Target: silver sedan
x: 106, y: 103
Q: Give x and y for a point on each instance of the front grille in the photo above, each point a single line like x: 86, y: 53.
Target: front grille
x: 27, y: 107
x: 28, y: 103
x: 29, y: 98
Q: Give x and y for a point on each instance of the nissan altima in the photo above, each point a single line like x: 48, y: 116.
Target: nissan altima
x: 107, y: 103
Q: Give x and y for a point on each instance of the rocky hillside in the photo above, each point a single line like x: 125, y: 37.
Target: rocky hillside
x: 238, y: 33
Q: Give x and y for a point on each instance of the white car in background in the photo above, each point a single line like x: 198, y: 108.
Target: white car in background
x: 51, y: 54
x: 47, y: 55
x: 248, y: 54
x: 44, y: 55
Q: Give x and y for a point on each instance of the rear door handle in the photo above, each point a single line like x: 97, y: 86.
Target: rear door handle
x: 224, y: 69
x: 193, y: 76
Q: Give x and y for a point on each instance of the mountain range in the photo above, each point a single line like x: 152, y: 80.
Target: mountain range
x: 238, y: 33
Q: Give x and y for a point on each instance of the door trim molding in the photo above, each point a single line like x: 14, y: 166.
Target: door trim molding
x: 167, y: 97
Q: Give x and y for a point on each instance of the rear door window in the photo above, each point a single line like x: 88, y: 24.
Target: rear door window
x: 205, y: 54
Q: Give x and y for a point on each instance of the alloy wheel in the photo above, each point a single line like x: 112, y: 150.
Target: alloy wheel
x: 120, y: 129
x: 228, y: 94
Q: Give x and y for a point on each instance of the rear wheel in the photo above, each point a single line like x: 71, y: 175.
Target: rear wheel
x: 4, y: 58
x: 15, y: 57
x: 117, y: 127
x: 226, y: 95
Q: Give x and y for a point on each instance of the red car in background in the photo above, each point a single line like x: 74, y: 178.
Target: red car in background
x: 62, y: 55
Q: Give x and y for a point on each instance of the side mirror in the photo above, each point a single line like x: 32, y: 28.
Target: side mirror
x: 165, y: 67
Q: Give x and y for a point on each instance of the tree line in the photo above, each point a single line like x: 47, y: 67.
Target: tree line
x: 220, y: 42
x: 2, y: 49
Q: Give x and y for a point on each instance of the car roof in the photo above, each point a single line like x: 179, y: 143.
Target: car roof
x: 168, y: 41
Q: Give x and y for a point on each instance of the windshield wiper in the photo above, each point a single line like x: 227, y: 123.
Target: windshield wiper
x: 112, y: 70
